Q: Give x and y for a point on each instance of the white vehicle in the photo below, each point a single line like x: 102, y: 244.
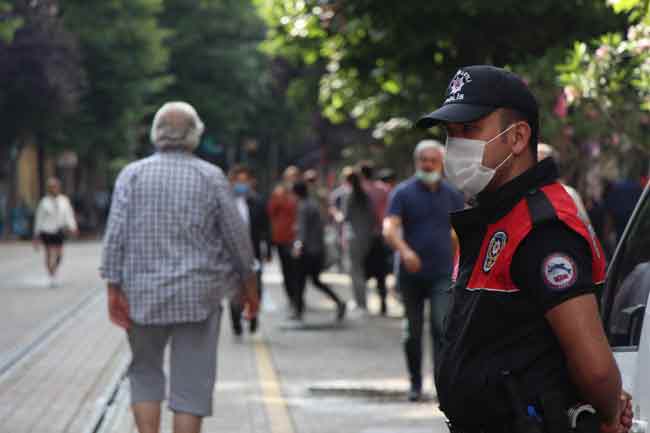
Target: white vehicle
x: 625, y: 316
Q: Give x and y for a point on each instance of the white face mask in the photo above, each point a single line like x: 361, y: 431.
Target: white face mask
x: 464, y: 164
x: 428, y: 177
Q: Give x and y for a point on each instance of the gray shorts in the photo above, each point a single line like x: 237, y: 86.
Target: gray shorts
x: 193, y: 364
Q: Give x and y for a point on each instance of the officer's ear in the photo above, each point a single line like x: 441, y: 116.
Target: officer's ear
x: 521, y: 137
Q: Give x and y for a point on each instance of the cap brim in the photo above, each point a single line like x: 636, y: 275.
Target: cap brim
x: 456, y: 113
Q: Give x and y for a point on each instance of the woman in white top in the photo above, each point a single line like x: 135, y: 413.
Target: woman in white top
x: 54, y: 219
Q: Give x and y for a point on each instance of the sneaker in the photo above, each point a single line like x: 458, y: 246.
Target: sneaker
x: 415, y: 394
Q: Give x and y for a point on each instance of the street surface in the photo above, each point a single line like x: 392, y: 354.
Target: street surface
x: 62, y: 362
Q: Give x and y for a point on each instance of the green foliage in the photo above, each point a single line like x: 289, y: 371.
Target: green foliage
x: 607, y: 84
x: 125, y: 62
x: 40, y: 69
x: 8, y: 23
x: 216, y: 64
x: 382, y: 59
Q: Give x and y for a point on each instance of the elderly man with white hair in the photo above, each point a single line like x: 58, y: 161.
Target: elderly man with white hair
x: 417, y: 226
x: 175, y: 245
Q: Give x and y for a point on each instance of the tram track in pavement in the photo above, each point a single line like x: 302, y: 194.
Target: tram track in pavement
x: 45, y: 334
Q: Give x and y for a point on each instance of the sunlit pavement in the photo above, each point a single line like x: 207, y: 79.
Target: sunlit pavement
x: 317, y: 376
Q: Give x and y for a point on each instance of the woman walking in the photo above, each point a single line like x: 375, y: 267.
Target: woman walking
x: 54, y: 219
x: 360, y: 219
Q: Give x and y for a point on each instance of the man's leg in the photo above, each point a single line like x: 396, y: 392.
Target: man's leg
x: 314, y: 268
x: 357, y: 274
x: 286, y: 263
x: 50, y: 259
x: 255, y: 320
x: 413, y: 322
x: 235, y: 316
x: 146, y: 375
x: 147, y: 416
x: 299, y: 289
x: 193, y: 371
x: 440, y: 295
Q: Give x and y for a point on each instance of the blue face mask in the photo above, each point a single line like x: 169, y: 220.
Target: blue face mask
x: 240, y: 189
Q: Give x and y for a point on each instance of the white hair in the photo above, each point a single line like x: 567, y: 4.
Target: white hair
x: 428, y: 144
x: 170, y: 133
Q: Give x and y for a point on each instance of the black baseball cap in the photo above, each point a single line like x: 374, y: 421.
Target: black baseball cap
x: 476, y: 91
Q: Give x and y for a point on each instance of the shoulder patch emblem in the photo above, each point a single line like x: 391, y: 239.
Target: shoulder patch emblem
x: 496, y: 245
x: 559, y: 271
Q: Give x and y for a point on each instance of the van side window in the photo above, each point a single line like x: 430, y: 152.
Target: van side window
x: 628, y: 283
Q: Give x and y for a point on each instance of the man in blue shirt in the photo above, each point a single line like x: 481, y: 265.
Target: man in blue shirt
x: 419, y: 208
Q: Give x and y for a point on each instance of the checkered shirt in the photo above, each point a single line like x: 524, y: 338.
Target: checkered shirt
x: 175, y: 242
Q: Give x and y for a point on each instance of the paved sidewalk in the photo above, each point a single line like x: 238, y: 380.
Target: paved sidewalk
x: 57, y: 387
x: 317, y: 377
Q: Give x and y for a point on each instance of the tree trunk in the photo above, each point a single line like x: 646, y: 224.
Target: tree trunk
x: 12, y: 183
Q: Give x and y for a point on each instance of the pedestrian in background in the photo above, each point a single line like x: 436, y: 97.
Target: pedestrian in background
x: 175, y: 246
x: 547, y: 151
x: 54, y: 220
x: 253, y: 212
x: 336, y: 199
x: 420, y: 208
x: 376, y: 261
x: 309, y: 250
x: 282, y: 210
x: 359, y: 217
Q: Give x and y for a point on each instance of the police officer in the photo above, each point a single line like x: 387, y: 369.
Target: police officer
x: 524, y: 308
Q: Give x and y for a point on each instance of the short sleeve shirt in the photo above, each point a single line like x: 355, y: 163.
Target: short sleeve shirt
x: 425, y: 223
x: 554, y: 263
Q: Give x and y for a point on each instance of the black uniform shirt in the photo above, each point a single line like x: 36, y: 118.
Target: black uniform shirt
x: 488, y: 332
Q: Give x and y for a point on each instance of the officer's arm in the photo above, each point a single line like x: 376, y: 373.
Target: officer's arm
x: 577, y: 325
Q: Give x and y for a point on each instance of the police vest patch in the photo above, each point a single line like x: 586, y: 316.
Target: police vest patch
x: 496, y: 245
x: 559, y: 271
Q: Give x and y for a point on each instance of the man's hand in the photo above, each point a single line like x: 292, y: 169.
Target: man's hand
x: 36, y: 243
x: 250, y: 298
x: 118, y: 307
x: 412, y: 262
x: 624, y: 422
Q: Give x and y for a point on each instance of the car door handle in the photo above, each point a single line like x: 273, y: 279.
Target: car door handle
x: 639, y: 426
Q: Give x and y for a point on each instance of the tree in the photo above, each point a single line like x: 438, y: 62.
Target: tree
x: 607, y: 88
x: 380, y: 59
x: 126, y: 65
x: 42, y: 80
x: 216, y: 64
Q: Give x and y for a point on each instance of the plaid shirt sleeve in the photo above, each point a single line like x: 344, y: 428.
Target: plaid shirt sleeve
x: 233, y: 231
x: 113, y: 252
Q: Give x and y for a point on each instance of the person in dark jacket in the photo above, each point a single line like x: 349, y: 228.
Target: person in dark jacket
x: 309, y: 251
x: 252, y: 209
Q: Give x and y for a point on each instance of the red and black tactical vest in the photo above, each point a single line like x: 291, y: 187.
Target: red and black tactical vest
x: 492, y: 268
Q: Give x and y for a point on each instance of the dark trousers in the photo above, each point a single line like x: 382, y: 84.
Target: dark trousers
x: 289, y: 268
x: 377, y: 265
x: 415, y: 294
x: 236, y: 308
x: 310, y: 265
